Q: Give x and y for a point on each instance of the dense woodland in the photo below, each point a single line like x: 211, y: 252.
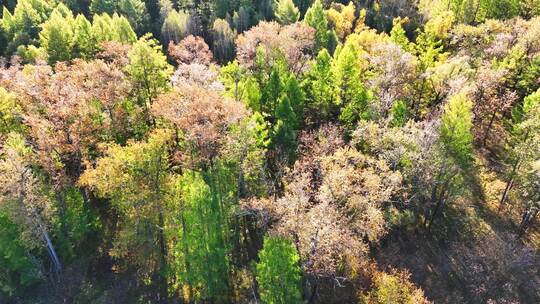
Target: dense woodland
x: 289, y: 151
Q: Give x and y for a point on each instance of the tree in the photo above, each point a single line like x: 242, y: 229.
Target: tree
x: 524, y: 143
x: 394, y: 72
x: 22, y: 27
x: 320, y: 90
x: 148, y: 70
x: 115, y: 28
x: 278, y: 272
x: 102, y: 6
x: 134, y: 10
x: 341, y: 18
x: 456, y: 142
x: 191, y: 50
x: 18, y: 271
x: 271, y: 42
x: 286, y: 12
x: 394, y: 287
x: 10, y: 113
x: 204, y: 237
x: 57, y: 35
x: 175, y: 27
x: 24, y: 198
x: 135, y: 178
x: 223, y: 41
x: 352, y: 95
x: 201, y: 116
x: 84, y: 41
x: 285, y: 129
x: 492, y: 101
x: 316, y: 18
x: 331, y: 206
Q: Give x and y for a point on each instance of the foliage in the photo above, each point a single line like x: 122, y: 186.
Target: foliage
x: 148, y: 69
x: 278, y: 272
x: 394, y: 287
x: 286, y: 12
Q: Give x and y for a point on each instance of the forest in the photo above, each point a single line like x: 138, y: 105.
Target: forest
x: 270, y: 151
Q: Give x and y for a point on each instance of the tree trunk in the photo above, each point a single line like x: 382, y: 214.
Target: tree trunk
x: 490, y: 125
x: 52, y: 252
x: 163, y: 294
x: 528, y: 217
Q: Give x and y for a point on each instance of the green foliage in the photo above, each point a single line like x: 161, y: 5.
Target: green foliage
x: 148, y: 70
x: 175, y: 27
x: 455, y: 130
x: 320, y: 89
x: 352, y: 95
x: 474, y: 11
x: 270, y: 93
x: 399, y: 114
x: 103, y: 6
x: 134, y: 10
x: 278, y: 272
x: 10, y: 113
x: 22, y: 27
x: 399, y: 37
x: 316, y: 18
x: 83, y: 38
x: 76, y: 226
x: 285, y: 127
x: 223, y: 37
x: 18, y: 268
x: 57, y: 36
x: 430, y: 41
x: 203, y: 238
x: 286, y: 12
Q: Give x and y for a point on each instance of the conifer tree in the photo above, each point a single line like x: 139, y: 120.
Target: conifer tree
x: 352, y: 95
x: 57, y: 36
x: 456, y: 141
x: 22, y: 27
x: 203, y: 239
x: 525, y: 142
x: 148, y: 70
x: 278, y: 272
x: 320, y: 89
x: 286, y: 12
x: 316, y: 18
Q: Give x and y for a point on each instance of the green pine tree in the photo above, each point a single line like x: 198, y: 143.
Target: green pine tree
x: 278, y: 273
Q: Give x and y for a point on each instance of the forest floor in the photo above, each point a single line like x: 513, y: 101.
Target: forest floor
x: 472, y: 254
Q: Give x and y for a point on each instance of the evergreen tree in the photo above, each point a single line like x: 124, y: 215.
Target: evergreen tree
x: 223, y: 41
x: 57, y: 35
x: 316, y: 18
x: 83, y: 37
x: 456, y: 140
x: 203, y: 238
x: 175, y: 27
x: 22, y: 27
x: 296, y: 96
x: 320, y: 90
x: 271, y: 92
x: 278, y: 272
x: 103, y: 6
x: 455, y: 132
x: 352, y: 95
x: 524, y: 141
x: 399, y: 37
x: 286, y: 12
x: 148, y: 70
x: 285, y: 128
